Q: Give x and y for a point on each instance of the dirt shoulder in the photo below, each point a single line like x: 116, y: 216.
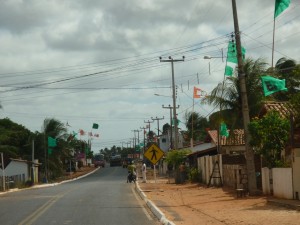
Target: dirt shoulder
x: 192, y: 204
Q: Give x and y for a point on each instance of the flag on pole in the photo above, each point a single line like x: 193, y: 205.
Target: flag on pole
x: 95, y: 126
x: 223, y: 130
x: 232, y: 58
x: 271, y: 85
x: 173, y: 121
x: 228, y: 70
x: 232, y: 53
x: 280, y: 6
x: 51, y: 142
x: 197, y: 92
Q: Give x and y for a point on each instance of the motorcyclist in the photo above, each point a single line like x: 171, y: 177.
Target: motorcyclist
x: 131, y: 172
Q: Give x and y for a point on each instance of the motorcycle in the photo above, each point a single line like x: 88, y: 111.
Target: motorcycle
x: 131, y: 177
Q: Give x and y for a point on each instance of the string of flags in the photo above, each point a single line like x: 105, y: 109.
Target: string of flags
x: 232, y: 60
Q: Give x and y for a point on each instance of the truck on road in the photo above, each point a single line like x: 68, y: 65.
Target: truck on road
x: 116, y: 160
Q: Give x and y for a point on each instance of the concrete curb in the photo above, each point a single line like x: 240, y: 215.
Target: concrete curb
x: 290, y: 204
x: 154, y: 209
x: 48, y: 185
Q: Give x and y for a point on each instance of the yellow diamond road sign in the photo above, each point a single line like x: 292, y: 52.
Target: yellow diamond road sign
x: 154, y: 153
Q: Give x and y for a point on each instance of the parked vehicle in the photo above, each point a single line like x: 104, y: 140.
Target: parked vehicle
x: 116, y: 160
x: 98, y: 160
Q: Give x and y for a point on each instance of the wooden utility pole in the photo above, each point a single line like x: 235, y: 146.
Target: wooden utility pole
x: 249, y: 154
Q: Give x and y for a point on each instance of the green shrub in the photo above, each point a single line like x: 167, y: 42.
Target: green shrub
x: 194, y: 175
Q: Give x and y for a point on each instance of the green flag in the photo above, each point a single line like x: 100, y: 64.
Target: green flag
x: 173, y: 121
x: 280, y: 6
x: 232, y: 53
x: 271, y: 85
x: 223, y: 130
x: 51, y: 142
x: 228, y: 70
x: 137, y: 148
x: 95, y: 126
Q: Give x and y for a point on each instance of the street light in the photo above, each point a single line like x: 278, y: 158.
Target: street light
x: 162, y: 95
x: 212, y: 57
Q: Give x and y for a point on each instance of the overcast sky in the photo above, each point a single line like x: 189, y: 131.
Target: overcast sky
x: 97, y: 61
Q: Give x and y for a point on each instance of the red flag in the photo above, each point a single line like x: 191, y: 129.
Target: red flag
x: 81, y: 132
x: 197, y: 92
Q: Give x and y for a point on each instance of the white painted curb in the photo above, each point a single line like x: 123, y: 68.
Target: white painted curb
x: 154, y: 209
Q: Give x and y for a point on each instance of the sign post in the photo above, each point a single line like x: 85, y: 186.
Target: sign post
x: 154, y: 154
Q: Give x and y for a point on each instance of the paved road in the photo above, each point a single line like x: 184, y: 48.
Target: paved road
x: 103, y: 197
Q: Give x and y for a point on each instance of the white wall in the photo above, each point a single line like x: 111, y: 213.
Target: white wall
x: 206, y: 166
x: 282, y: 182
x: 296, y: 172
x: 16, y: 168
x: 265, y: 174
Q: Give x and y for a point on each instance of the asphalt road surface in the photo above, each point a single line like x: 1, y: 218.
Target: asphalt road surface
x: 103, y: 197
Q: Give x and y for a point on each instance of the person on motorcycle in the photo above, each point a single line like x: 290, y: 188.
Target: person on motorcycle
x: 131, y: 172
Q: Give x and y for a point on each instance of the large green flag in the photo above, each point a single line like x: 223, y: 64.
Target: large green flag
x: 51, y: 142
x: 232, y: 53
x: 228, y: 70
x: 280, y: 6
x: 271, y: 85
x: 223, y: 130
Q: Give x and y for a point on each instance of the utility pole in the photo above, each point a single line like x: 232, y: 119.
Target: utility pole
x: 144, y: 131
x: 134, y: 139
x: 249, y: 154
x: 3, y: 172
x: 138, y: 139
x: 123, y: 142
x: 158, y: 119
x: 148, y: 127
x: 32, y: 159
x: 174, y: 96
x: 171, y: 130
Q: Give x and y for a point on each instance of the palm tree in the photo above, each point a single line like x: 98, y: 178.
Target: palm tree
x: 54, y: 160
x: 287, y: 69
x: 196, y: 125
x: 226, y: 95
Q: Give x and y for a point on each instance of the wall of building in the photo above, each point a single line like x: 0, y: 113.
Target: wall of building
x: 282, y: 182
x: 278, y: 181
x: 16, y: 171
x: 296, y: 172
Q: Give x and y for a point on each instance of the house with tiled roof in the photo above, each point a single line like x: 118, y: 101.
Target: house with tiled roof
x: 291, y: 152
x: 234, y: 144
